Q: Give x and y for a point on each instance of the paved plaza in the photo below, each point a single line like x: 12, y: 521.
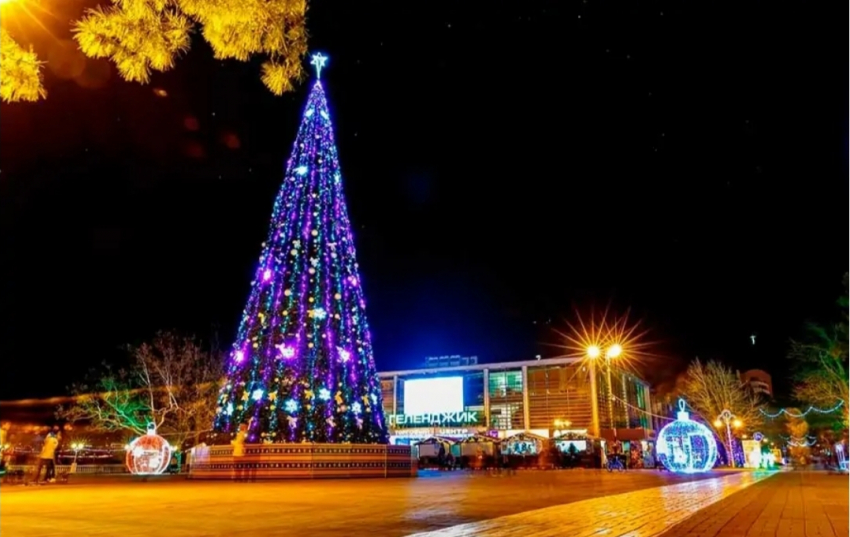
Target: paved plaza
x: 641, y: 513
x: 793, y: 504
x: 577, y: 503
x: 380, y: 507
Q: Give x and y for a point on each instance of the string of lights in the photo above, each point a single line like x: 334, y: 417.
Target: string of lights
x: 794, y: 414
x: 799, y: 438
x: 804, y: 443
x: 642, y: 411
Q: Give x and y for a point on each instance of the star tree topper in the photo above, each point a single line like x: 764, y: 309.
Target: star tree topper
x: 319, y: 60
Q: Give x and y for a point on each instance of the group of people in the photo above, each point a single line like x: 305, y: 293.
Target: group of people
x: 46, y: 458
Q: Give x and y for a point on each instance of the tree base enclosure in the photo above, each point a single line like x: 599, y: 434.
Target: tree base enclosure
x: 303, y: 461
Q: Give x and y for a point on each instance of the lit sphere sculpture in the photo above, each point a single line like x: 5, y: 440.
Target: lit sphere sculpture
x: 685, y: 446
x: 149, y: 454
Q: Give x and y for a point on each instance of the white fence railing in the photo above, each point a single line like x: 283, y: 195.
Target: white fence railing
x: 81, y: 468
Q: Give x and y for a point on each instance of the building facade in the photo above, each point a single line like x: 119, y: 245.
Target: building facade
x: 459, y: 398
x: 547, y: 398
x: 759, y: 381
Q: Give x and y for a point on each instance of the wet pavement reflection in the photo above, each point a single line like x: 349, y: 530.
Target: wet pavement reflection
x: 642, y: 513
x: 387, y: 508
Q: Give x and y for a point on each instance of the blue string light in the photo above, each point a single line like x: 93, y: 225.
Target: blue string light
x: 805, y: 442
x: 808, y: 439
x: 803, y: 414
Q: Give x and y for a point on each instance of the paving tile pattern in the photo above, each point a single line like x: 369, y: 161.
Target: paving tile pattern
x: 643, y: 513
x: 794, y: 504
x: 125, y: 507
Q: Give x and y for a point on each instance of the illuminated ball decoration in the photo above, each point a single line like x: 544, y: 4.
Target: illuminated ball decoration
x: 685, y: 446
x: 149, y: 454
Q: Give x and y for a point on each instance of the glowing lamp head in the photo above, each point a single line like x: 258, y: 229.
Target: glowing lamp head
x: 614, y: 351
x: 594, y: 352
x: 737, y: 424
x: 718, y: 423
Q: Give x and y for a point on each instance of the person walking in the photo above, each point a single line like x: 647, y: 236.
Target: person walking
x: 47, y: 458
x: 238, y: 444
x: 5, y: 449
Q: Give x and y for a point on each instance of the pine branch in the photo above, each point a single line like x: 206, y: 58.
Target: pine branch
x: 141, y: 36
x: 21, y: 79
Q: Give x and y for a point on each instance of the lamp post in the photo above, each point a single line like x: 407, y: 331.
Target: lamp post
x: 594, y: 352
x: 76, y: 446
x: 729, y: 420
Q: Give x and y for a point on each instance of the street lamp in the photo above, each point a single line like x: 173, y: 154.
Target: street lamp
x: 76, y: 446
x: 563, y: 424
x: 612, y: 352
x: 730, y: 420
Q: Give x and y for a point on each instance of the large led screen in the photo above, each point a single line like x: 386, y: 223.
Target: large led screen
x: 433, y: 396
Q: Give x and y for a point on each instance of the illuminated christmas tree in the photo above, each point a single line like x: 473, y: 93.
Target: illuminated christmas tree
x: 302, y: 369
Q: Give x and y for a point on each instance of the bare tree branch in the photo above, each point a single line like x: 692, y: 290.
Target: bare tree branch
x: 172, y: 383
x: 712, y: 388
x: 822, y: 363
x: 114, y: 406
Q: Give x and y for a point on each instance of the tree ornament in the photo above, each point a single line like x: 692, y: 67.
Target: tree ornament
x: 685, y: 446
x: 149, y: 454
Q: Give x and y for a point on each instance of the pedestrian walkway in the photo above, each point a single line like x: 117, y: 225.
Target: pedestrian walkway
x: 294, y: 508
x: 642, y: 513
x: 794, y: 504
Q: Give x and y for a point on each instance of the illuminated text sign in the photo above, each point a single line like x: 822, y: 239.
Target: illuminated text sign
x: 438, y: 419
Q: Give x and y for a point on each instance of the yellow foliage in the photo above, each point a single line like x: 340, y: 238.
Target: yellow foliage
x: 20, y: 72
x: 137, y: 35
x: 280, y: 77
x: 144, y: 35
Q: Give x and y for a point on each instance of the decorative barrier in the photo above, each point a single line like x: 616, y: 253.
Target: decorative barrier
x: 302, y: 461
x: 80, y: 469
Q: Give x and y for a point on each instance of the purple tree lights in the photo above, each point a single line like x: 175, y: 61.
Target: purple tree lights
x: 302, y: 368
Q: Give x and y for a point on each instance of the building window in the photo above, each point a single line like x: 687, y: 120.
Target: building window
x: 505, y: 384
x: 506, y: 410
x: 559, y: 394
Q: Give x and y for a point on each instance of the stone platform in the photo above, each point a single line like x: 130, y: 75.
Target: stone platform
x: 303, y: 461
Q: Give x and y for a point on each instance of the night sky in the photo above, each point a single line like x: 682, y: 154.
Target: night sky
x: 506, y: 165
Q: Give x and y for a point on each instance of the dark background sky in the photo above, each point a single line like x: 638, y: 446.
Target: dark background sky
x: 505, y: 164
